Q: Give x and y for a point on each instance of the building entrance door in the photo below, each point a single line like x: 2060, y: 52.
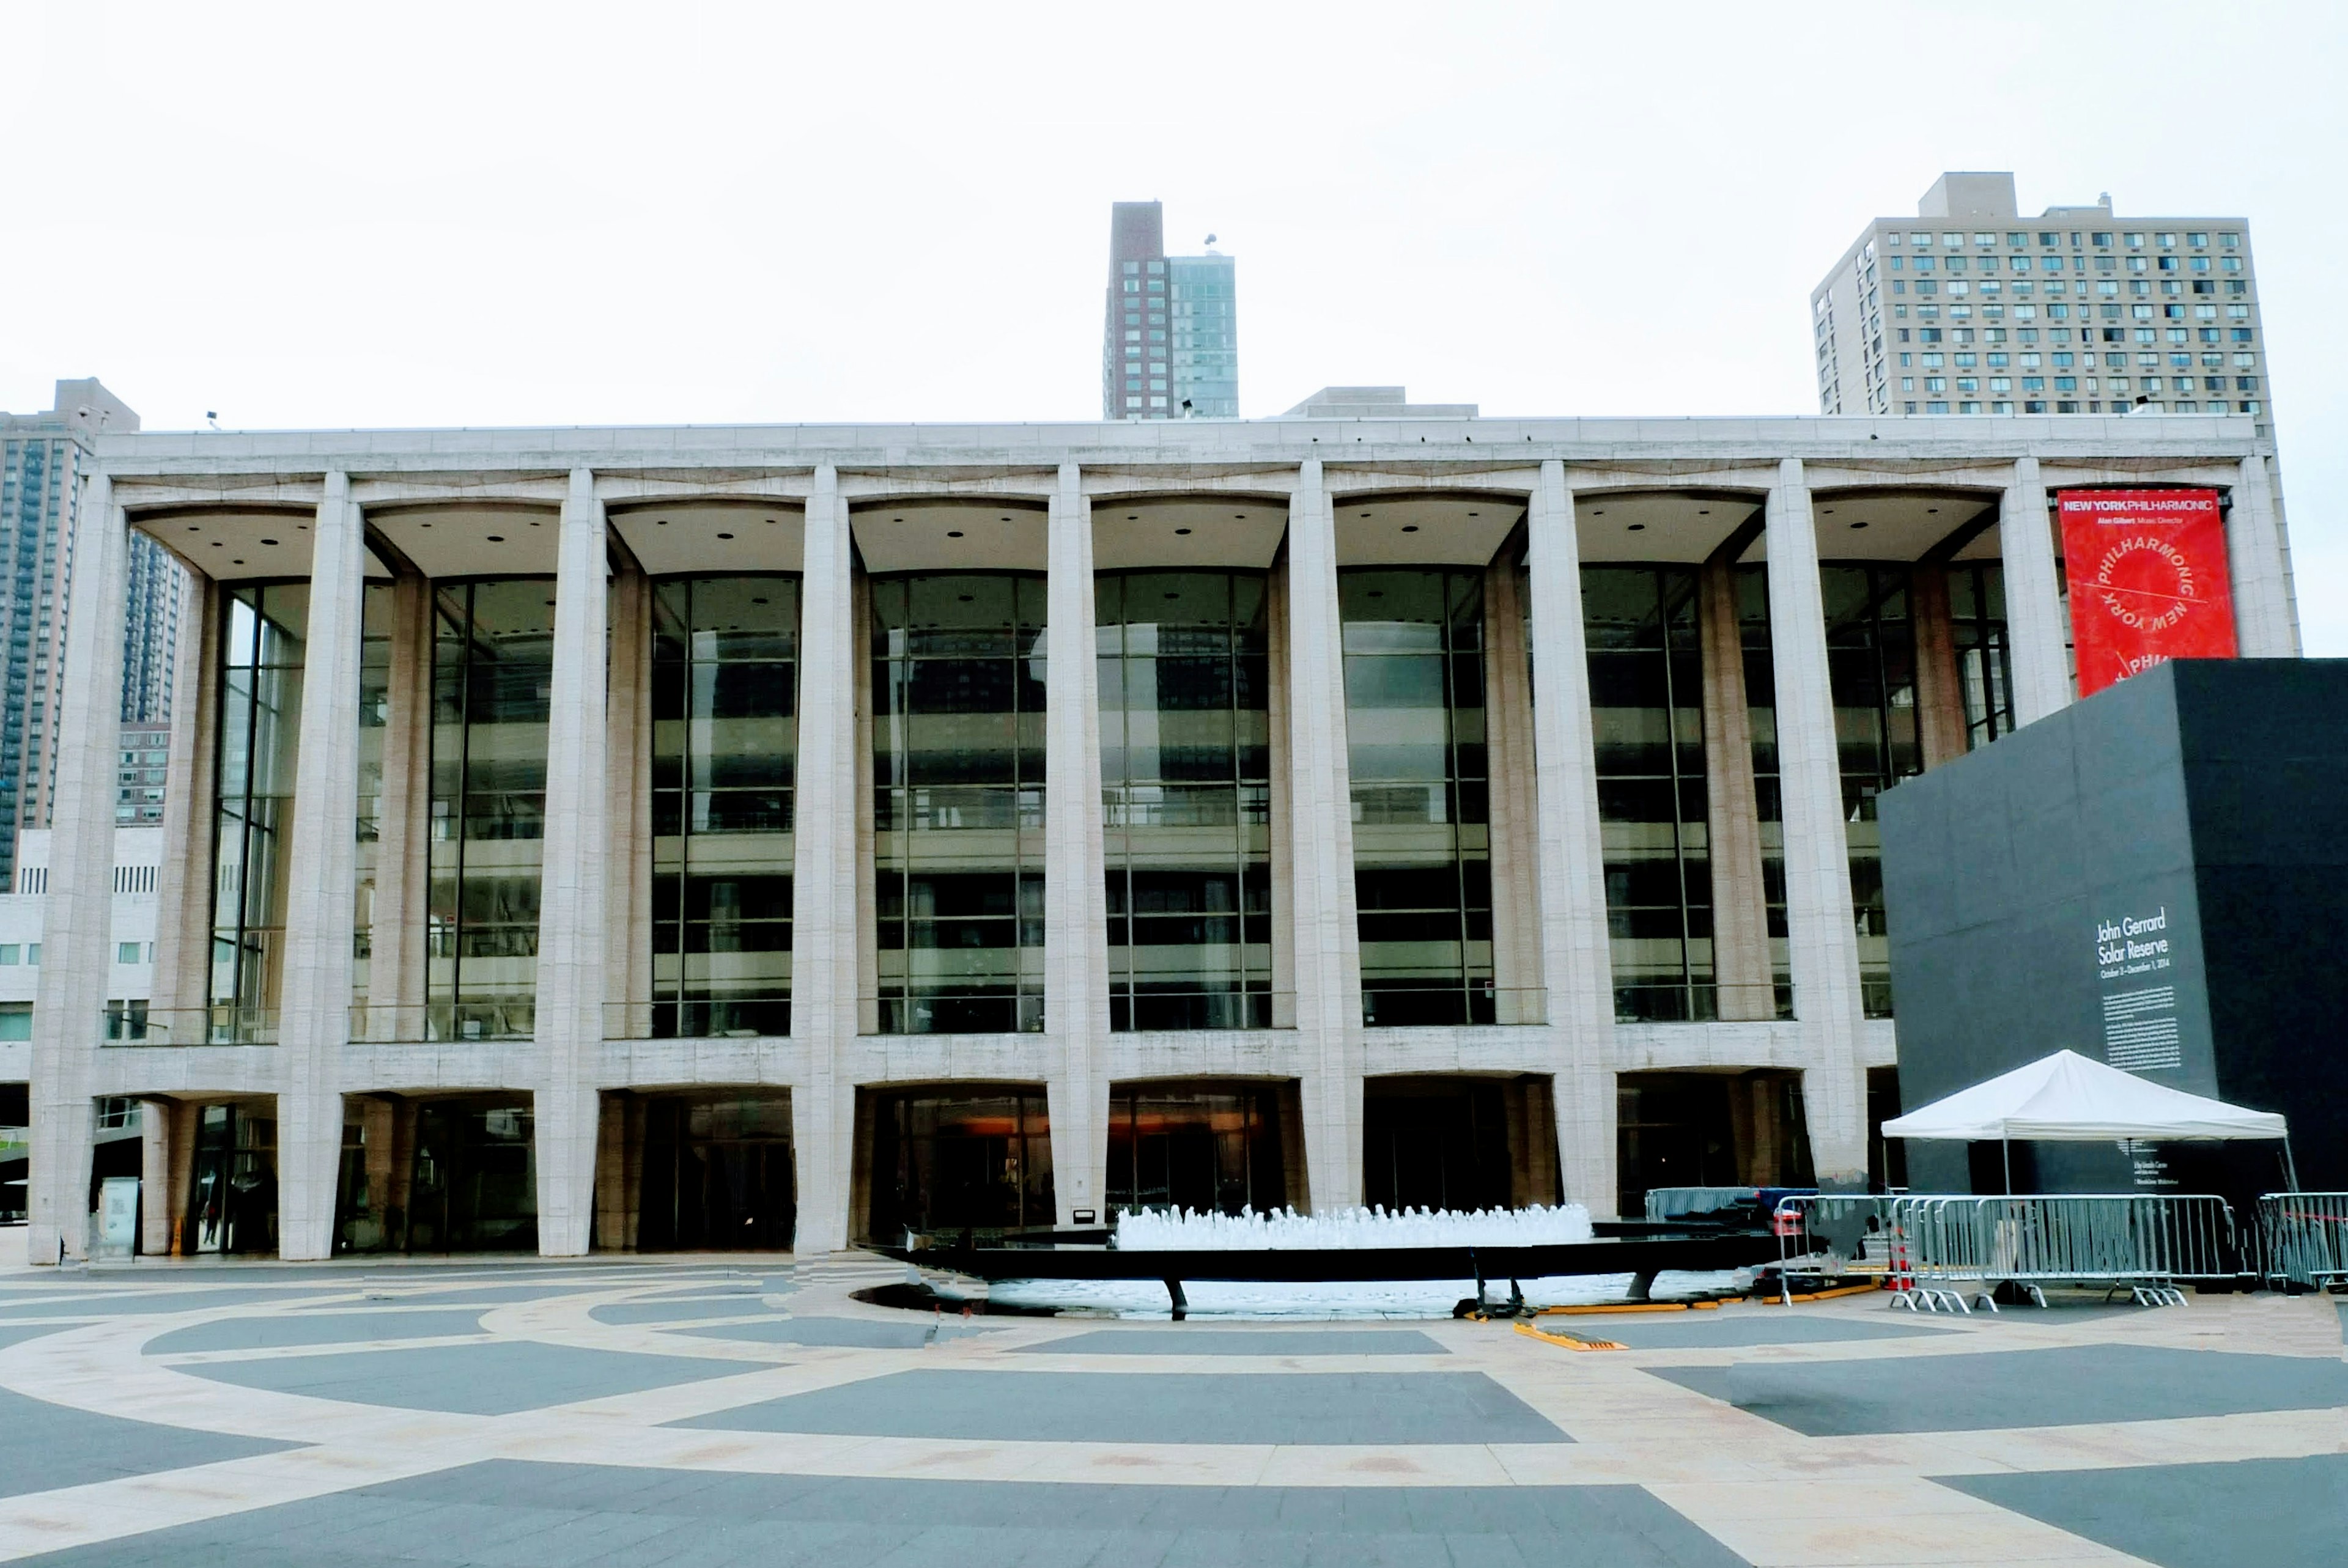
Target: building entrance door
x: 232, y: 1189
x: 475, y: 1184
x: 718, y: 1175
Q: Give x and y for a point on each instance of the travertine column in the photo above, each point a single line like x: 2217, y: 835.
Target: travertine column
x: 627, y: 941
x: 183, y: 881
x: 1328, y: 937
x: 2266, y: 621
x: 315, y: 998
x: 403, y: 869
x: 1741, y: 967
x: 77, y: 946
x: 570, y: 922
x: 2034, y: 602
x: 1575, y: 953
x: 1076, y: 900
x: 155, y: 1154
x: 825, y: 935
x: 1509, y: 765
x: 1822, y: 924
x: 1940, y: 698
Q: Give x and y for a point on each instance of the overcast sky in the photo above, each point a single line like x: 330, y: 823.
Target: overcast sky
x: 492, y: 214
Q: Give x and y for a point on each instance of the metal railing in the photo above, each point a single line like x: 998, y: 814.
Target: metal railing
x: 1950, y: 1254
x: 2303, y: 1239
x: 137, y: 1024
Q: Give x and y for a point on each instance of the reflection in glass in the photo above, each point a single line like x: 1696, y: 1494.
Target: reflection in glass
x: 958, y: 801
x: 1185, y: 784
x: 1422, y: 841
x: 492, y: 673
x: 975, y: 1157
x: 1198, y: 1147
x: 1761, y: 713
x: 1871, y: 662
x: 1646, y: 701
x: 1984, y: 668
x: 375, y: 715
x: 261, y: 637
x: 724, y: 749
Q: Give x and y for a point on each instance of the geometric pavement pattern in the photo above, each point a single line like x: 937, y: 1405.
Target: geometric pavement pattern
x: 718, y: 1410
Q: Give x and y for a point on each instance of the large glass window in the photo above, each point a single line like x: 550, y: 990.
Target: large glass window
x: 1761, y: 716
x: 1871, y: 662
x: 1422, y: 843
x: 1984, y: 667
x: 958, y: 801
x: 1185, y: 779
x: 1198, y: 1147
x: 492, y: 670
x: 375, y: 716
x: 261, y: 641
x: 1646, y: 701
x: 972, y: 1156
x: 724, y: 746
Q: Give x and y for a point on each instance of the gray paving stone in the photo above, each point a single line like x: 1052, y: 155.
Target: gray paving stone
x: 490, y: 1379
x: 522, y: 1515
x: 1164, y: 1408
x: 45, y: 1446
x: 139, y: 1303
x: 1205, y: 1340
x: 2073, y: 1385
x: 862, y: 1333
x: 678, y: 1311
x: 329, y: 1328
x: 1733, y: 1327
x: 2190, y: 1515
x: 17, y: 1333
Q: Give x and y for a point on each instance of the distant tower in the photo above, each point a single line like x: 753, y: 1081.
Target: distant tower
x: 1169, y: 329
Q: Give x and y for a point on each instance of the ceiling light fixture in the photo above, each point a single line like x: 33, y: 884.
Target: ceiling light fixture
x: 497, y: 538
x: 1181, y: 530
x: 953, y: 533
x: 726, y: 536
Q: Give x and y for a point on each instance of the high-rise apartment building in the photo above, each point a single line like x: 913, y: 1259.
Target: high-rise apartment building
x: 1169, y: 330
x: 42, y: 459
x: 1970, y: 308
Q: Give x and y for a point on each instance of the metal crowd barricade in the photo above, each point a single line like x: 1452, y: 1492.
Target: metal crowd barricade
x: 1960, y: 1249
x: 1838, y: 1234
x: 2304, y: 1239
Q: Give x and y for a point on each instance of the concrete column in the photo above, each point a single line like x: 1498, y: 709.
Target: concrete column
x: 403, y: 870
x: 2266, y: 622
x: 1510, y: 764
x: 570, y: 922
x: 1075, y: 898
x: 155, y: 1177
x: 1741, y: 966
x: 825, y: 939
x: 1321, y: 857
x: 378, y: 1118
x: 627, y: 943
x: 2033, y: 602
x: 183, y: 881
x: 77, y: 946
x: 1821, y: 923
x: 314, y: 998
x: 1940, y: 695
x: 1576, y: 956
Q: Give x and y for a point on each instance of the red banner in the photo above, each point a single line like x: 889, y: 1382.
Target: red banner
x: 2147, y: 572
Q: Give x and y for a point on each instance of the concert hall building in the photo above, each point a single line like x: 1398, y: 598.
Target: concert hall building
x: 684, y: 837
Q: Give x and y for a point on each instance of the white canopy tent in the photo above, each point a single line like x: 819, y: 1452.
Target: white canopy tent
x: 2071, y: 1099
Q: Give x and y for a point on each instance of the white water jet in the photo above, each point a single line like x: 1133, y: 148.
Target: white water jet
x: 1144, y: 1230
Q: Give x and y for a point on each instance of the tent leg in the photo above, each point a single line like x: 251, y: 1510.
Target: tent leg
x: 2289, y: 1165
x: 2006, y: 1145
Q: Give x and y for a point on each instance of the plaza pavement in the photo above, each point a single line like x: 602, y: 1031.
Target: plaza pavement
x: 712, y: 1410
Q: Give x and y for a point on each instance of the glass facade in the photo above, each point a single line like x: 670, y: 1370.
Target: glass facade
x: 375, y: 717
x: 492, y: 670
x: 716, y: 1174
x: 1204, y: 1147
x: 1186, y: 767
x: 1761, y: 716
x: 975, y: 1156
x: 958, y: 801
x: 1871, y: 662
x: 261, y: 637
x: 1646, y: 696
x: 1984, y: 658
x: 1422, y: 844
x: 724, y: 746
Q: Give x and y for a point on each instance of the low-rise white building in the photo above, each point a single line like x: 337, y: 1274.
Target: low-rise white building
x: 704, y: 836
